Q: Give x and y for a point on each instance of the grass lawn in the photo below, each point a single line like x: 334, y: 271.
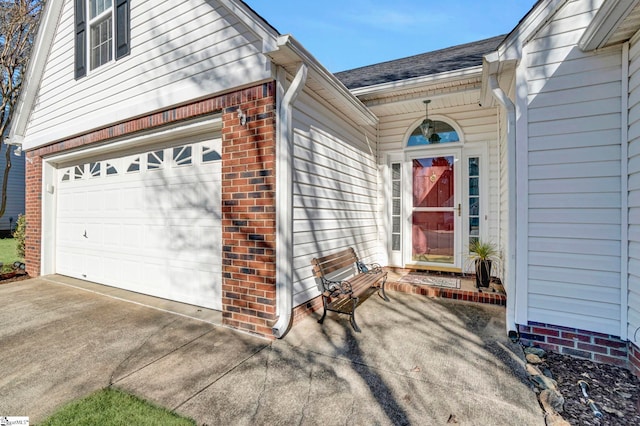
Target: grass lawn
x: 113, y: 407
x: 8, y: 251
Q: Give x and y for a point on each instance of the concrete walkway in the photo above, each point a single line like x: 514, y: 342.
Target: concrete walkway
x: 417, y: 361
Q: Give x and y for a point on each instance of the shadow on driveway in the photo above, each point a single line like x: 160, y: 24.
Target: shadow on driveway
x: 417, y: 361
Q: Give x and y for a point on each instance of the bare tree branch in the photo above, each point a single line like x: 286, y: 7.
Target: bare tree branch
x: 18, y: 25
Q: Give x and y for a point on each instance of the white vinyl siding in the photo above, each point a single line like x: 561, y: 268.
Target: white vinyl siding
x: 180, y: 51
x: 334, y: 190
x: 574, y: 206
x: 634, y: 192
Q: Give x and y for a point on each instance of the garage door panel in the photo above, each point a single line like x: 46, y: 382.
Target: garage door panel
x: 71, y: 263
x: 132, y: 234
x: 112, y: 237
x: 144, y: 223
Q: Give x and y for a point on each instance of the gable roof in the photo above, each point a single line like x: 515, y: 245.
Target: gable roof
x: 47, y: 27
x: 449, y: 59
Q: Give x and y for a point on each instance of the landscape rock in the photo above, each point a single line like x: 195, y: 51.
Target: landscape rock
x: 532, y: 370
x: 613, y: 411
x: 555, y: 420
x: 534, y: 359
x: 552, y: 401
x: 543, y: 382
x: 535, y: 351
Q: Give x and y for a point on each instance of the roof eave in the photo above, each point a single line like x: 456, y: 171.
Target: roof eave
x: 608, y: 18
x: 509, y: 52
x: 393, y: 86
x: 35, y: 70
x: 289, y: 51
x: 527, y: 28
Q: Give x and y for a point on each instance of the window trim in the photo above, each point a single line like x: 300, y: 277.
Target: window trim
x: 121, y: 33
x: 434, y: 117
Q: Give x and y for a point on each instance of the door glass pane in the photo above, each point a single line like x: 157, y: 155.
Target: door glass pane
x: 473, y: 186
x: 474, y: 166
x: 433, y: 237
x: 433, y: 210
x: 474, y: 199
x: 433, y: 182
x: 396, y: 206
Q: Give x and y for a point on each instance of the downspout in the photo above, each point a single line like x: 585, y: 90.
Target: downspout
x: 284, y: 197
x: 508, y: 105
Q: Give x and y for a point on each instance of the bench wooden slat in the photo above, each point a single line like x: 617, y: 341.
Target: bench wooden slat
x: 334, y: 262
x: 336, y: 296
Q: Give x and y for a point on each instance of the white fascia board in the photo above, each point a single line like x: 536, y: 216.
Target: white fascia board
x: 254, y: 22
x: 380, y: 90
x: 289, y: 50
x: 531, y: 24
x: 510, y: 50
x: 35, y: 69
x: 608, y: 18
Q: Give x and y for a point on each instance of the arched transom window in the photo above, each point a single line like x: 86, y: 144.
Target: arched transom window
x: 444, y: 133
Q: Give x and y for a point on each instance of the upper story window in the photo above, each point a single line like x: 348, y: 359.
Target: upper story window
x: 102, y: 33
x: 444, y: 133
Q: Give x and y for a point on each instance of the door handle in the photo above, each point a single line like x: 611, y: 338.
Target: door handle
x: 459, y: 209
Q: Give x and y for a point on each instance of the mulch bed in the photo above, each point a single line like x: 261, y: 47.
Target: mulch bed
x: 9, y: 278
x: 615, y: 391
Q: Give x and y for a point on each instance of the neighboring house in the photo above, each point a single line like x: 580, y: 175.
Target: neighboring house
x: 201, y: 156
x: 15, y: 190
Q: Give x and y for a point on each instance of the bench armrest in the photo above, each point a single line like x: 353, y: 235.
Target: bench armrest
x: 371, y: 268
x: 337, y: 287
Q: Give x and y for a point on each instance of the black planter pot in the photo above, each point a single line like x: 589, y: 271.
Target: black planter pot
x: 483, y: 273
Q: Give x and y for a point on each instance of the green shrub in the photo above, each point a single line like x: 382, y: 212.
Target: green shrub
x: 19, y: 235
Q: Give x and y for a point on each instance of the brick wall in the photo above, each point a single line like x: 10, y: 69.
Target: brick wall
x: 572, y: 341
x: 248, y: 193
x: 33, y: 214
x: 634, y: 359
x: 248, y: 215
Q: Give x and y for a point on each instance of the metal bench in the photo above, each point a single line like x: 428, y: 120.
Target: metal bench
x: 344, y: 280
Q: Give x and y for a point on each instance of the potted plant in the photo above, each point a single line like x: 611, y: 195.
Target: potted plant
x: 483, y: 254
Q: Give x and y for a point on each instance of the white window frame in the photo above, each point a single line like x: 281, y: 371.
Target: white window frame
x: 107, y: 13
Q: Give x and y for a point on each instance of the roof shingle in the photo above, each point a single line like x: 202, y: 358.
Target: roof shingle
x: 439, y: 61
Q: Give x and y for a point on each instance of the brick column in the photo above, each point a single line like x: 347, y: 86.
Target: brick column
x: 248, y: 213
x: 33, y: 214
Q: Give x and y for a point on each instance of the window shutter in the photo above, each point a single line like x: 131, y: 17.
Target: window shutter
x: 122, y: 28
x: 81, y: 39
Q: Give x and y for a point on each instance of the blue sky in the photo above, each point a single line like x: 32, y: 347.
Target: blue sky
x: 346, y: 34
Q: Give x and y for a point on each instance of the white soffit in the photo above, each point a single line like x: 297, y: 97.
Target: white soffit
x: 615, y: 22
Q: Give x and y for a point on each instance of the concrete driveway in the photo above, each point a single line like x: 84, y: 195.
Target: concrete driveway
x: 417, y: 361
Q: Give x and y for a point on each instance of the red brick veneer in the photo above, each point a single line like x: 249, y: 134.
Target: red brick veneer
x: 248, y: 197
x: 634, y: 359
x: 248, y: 216
x: 449, y: 293
x: 580, y: 343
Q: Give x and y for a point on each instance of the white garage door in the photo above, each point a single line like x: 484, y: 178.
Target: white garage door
x: 147, y: 222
